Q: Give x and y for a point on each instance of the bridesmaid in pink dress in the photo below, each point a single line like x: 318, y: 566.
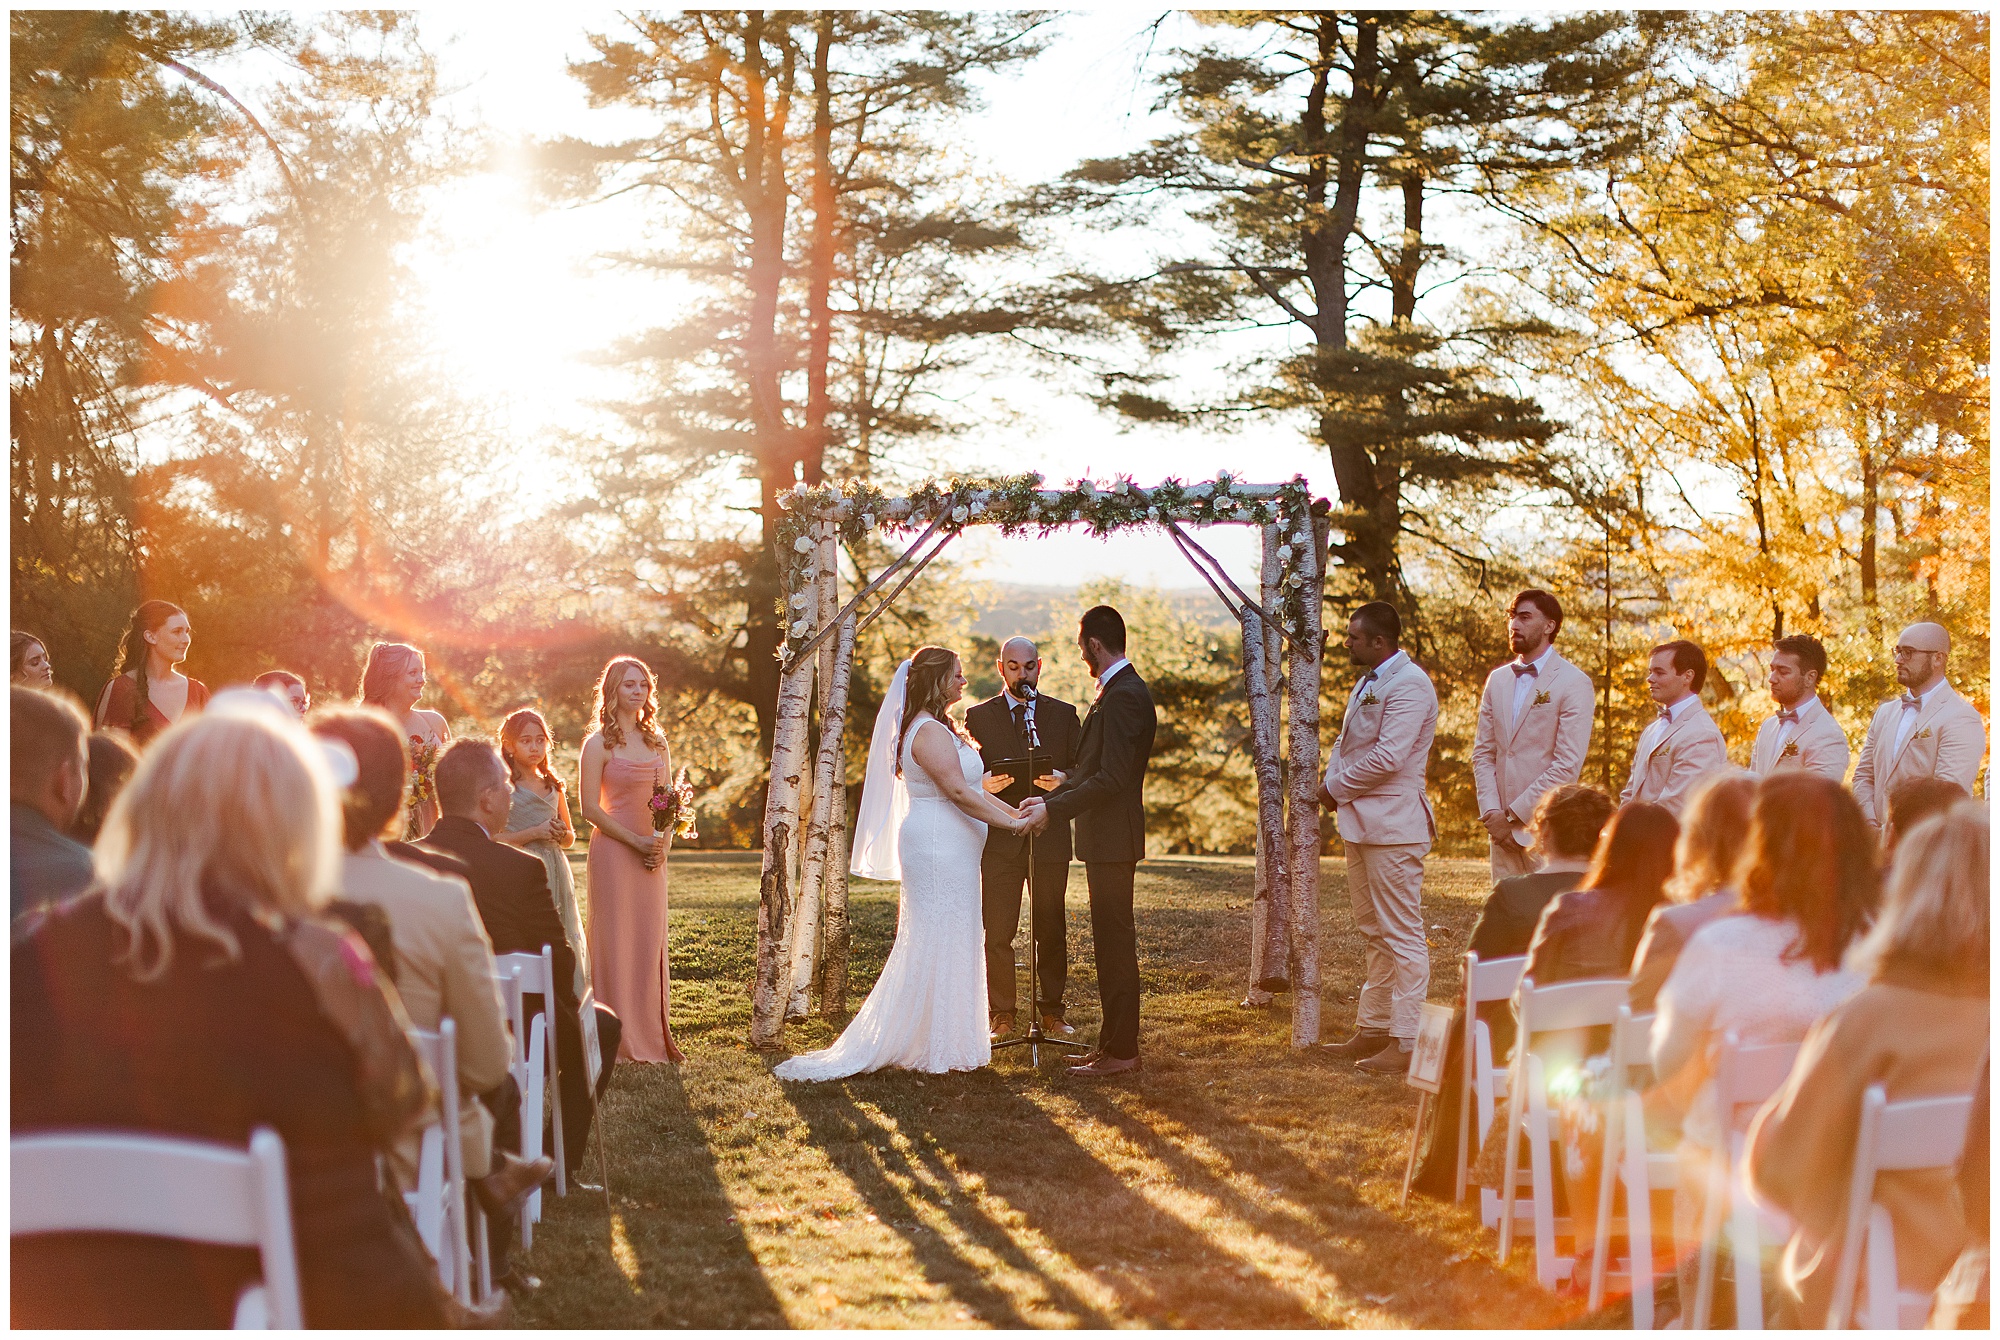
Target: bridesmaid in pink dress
x: 627, y: 868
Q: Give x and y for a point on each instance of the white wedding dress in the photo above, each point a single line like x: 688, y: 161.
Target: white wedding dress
x: 928, y: 1009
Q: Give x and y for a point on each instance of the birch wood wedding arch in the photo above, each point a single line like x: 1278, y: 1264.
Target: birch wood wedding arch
x: 802, y: 935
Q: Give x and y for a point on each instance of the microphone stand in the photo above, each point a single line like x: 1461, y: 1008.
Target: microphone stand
x: 1034, y: 1039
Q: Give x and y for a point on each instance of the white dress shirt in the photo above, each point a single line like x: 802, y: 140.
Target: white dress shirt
x: 1014, y: 706
x: 1525, y: 684
x: 1396, y: 658
x: 1651, y: 735
x: 1913, y: 707
x: 1803, y: 713
x: 1111, y: 670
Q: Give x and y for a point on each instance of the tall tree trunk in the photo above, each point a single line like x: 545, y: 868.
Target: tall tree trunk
x: 819, y: 287
x: 1871, y: 508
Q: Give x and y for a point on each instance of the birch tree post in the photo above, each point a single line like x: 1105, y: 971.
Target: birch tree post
x: 835, y: 943
x: 781, y: 821
x: 1308, y: 537
x: 1270, y: 919
x: 808, y: 920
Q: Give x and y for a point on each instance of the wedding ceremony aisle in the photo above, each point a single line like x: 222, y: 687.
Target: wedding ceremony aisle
x: 1233, y: 1183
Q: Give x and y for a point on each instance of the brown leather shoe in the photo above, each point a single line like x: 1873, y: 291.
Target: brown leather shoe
x: 1393, y: 1059
x: 504, y: 1190
x: 1360, y: 1047
x: 1104, y: 1067
x: 1054, y: 1027
x: 1002, y: 1026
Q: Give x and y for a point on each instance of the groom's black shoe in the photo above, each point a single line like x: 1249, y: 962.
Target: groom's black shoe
x: 1100, y: 1066
x: 1360, y: 1047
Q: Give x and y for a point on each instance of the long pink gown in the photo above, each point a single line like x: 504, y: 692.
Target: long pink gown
x: 628, y: 914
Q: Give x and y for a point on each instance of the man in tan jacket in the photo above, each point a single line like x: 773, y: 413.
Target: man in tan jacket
x: 1535, y: 716
x: 1682, y: 745
x: 1928, y: 732
x: 444, y: 962
x: 1801, y: 733
x: 1375, y: 784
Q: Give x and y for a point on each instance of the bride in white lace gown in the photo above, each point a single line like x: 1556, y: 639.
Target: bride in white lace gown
x: 924, y: 822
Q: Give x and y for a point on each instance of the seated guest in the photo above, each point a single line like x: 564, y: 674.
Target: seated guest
x: 1912, y: 802
x: 444, y: 964
x: 1711, y: 842
x: 1919, y: 1029
x: 196, y: 993
x: 51, y: 768
x: 1592, y: 930
x: 112, y: 759
x: 1964, y: 1301
x: 28, y: 662
x: 1565, y: 826
x: 288, y: 686
x: 1808, y: 888
x: 511, y: 890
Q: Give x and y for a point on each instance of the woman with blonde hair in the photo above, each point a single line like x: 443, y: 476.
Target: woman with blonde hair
x: 1919, y: 1029
x: 1714, y: 827
x: 149, y: 693
x: 194, y: 991
x: 625, y: 759
x: 28, y: 662
x: 539, y: 821
x: 393, y: 680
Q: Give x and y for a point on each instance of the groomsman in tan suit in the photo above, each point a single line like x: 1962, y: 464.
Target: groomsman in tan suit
x: 1682, y: 745
x: 1375, y: 784
x: 1801, y: 733
x: 1535, y: 716
x: 1928, y: 732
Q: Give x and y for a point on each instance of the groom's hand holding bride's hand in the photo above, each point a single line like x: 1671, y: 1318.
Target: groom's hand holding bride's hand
x: 1036, y: 813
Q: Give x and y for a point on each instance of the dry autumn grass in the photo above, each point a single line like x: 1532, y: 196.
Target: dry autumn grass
x: 1235, y: 1183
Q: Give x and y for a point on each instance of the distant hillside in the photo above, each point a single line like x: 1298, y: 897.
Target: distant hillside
x: 1033, y: 609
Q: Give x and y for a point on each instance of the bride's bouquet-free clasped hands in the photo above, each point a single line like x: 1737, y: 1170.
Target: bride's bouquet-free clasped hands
x: 673, y: 807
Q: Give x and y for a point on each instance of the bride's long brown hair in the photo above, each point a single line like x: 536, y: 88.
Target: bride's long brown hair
x: 930, y: 667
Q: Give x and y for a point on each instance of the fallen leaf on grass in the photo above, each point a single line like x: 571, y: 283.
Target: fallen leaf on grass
x: 1380, y: 1299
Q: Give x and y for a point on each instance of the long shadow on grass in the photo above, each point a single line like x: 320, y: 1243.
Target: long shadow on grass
x: 695, y: 1265
x: 1025, y: 1158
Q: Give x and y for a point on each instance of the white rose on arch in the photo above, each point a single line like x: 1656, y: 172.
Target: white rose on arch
x: 959, y: 513
x: 799, y: 627
x: 803, y: 544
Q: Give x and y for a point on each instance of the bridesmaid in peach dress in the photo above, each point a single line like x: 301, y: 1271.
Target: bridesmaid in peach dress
x: 627, y: 867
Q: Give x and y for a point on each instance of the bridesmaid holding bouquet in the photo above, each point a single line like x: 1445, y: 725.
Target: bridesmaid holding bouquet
x: 539, y: 821
x: 625, y: 761
x: 393, y: 680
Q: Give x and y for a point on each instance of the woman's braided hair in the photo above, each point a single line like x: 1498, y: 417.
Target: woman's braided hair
x: 150, y: 617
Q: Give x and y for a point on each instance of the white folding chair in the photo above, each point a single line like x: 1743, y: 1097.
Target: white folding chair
x: 1744, y: 1077
x: 536, y: 1067
x: 1894, y: 1137
x: 1483, y: 1085
x: 439, y: 1203
x: 1558, y: 1008
x: 168, y: 1187
x: 1630, y: 1163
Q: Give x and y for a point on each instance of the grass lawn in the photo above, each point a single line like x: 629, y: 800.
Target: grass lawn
x: 1234, y: 1182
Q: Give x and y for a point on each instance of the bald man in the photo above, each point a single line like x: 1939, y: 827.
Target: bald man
x: 1004, y: 727
x: 1928, y: 732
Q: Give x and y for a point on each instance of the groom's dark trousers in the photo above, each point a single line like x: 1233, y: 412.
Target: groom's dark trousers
x: 1105, y: 796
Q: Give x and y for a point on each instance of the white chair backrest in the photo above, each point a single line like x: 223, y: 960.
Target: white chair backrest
x: 535, y: 971
x: 164, y: 1186
x: 510, y: 1000
x: 1631, y: 1042
x: 1919, y: 1132
x: 1492, y: 979
x: 1585, y: 1004
x: 440, y: 1053
x: 1750, y: 1074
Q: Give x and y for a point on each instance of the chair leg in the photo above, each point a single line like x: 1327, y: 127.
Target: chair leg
x: 1416, y: 1139
x: 1606, y: 1185
x: 1638, y: 1214
x: 1746, y: 1251
x: 1713, y: 1202
x: 1544, y: 1180
x: 1513, y: 1165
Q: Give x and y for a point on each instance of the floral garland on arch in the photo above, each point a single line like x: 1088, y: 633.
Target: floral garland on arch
x: 1020, y: 505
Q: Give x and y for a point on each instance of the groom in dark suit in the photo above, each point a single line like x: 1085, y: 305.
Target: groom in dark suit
x: 1105, y: 795
x: 1002, y: 726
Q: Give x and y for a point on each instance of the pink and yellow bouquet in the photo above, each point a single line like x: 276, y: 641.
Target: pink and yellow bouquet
x: 673, y: 807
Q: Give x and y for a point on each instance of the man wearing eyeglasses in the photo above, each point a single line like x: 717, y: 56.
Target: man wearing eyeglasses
x: 1927, y: 732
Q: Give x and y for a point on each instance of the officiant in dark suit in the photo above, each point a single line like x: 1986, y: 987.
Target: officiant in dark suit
x: 1002, y: 727
x: 1105, y: 794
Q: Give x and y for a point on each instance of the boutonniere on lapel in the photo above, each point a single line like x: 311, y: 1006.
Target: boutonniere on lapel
x: 1368, y: 700
x: 1541, y: 699
x: 1790, y: 751
x: 1924, y: 734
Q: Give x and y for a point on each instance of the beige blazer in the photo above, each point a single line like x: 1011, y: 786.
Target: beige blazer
x: 1667, y: 768
x: 444, y: 967
x: 1949, y: 742
x: 1516, y: 762
x: 1818, y: 745
x: 1376, y: 773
